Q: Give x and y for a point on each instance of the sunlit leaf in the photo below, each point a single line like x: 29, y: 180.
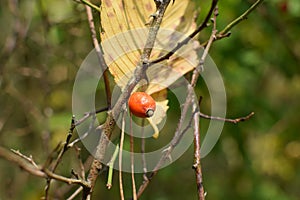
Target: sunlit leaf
x: 122, y: 50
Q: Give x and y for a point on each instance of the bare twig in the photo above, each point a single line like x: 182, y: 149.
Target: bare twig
x: 52, y: 175
x: 75, y: 193
x: 65, y: 147
x: 113, y: 114
x: 89, y: 114
x: 226, y: 31
x: 132, y: 161
x: 235, y: 121
x: 21, y: 162
x: 40, y: 172
x: 29, y: 159
x: 143, y: 150
x: 197, y: 156
x: 120, y: 157
x: 99, y: 54
x: 167, y: 153
x: 189, y: 99
x: 105, y: 132
x: 82, y: 170
x: 197, y: 143
x: 203, y: 25
x: 239, y: 19
x: 91, y: 128
x: 60, y: 155
x: 89, y: 4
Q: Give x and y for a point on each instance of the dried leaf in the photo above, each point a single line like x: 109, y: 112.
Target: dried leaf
x: 122, y: 49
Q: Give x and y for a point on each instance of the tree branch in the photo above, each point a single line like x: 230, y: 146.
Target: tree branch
x: 235, y: 121
x: 99, y: 54
x: 203, y: 25
x: 197, y: 156
x: 188, y: 101
x: 113, y: 114
x: 226, y: 31
x: 23, y: 163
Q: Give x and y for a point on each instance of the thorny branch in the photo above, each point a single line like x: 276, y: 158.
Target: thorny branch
x: 203, y: 25
x: 197, y: 143
x: 29, y: 165
x: 21, y: 161
x: 189, y: 100
x: 113, y: 114
x: 197, y: 156
x: 140, y: 74
x: 99, y: 52
x: 235, y: 121
x: 238, y: 20
x: 60, y: 156
x: 226, y: 31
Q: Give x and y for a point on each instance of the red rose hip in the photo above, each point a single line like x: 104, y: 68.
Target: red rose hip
x: 141, y: 104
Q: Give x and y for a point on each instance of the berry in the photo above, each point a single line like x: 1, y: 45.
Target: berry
x: 141, y: 104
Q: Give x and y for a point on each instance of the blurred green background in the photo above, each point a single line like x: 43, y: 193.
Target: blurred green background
x: 43, y: 44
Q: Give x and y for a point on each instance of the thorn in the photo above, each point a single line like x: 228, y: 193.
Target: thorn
x: 166, y: 151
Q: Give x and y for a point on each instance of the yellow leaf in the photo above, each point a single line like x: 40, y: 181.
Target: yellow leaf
x: 122, y: 49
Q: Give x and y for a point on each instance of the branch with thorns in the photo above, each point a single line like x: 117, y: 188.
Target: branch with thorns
x: 48, y: 169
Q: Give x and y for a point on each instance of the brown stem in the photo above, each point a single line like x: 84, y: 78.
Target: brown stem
x: 60, y: 156
x: 226, y: 31
x: 132, y: 161
x: 197, y: 156
x: 99, y: 54
x: 37, y: 171
x: 113, y: 114
x: 235, y: 121
x: 120, y: 157
x: 192, y: 35
x: 189, y: 99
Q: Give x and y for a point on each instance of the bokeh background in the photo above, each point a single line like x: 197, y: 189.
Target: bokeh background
x: 43, y: 43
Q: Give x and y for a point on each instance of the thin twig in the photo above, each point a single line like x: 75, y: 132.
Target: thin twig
x: 197, y: 156
x: 89, y: 4
x: 40, y: 172
x: 203, y: 25
x: 155, y: 25
x: 226, y: 31
x: 235, y: 121
x: 99, y: 52
x: 143, y: 150
x: 91, y: 127
x: 29, y: 159
x: 60, y: 155
x: 74, y: 173
x: 132, y: 161
x: 106, y: 128
x: 21, y: 162
x: 75, y: 193
x: 65, y: 147
x: 89, y: 114
x: 113, y: 114
x: 240, y: 18
x: 167, y: 155
x: 197, y: 142
x: 81, y: 166
x: 189, y: 99
x: 52, y: 175
x: 120, y: 157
